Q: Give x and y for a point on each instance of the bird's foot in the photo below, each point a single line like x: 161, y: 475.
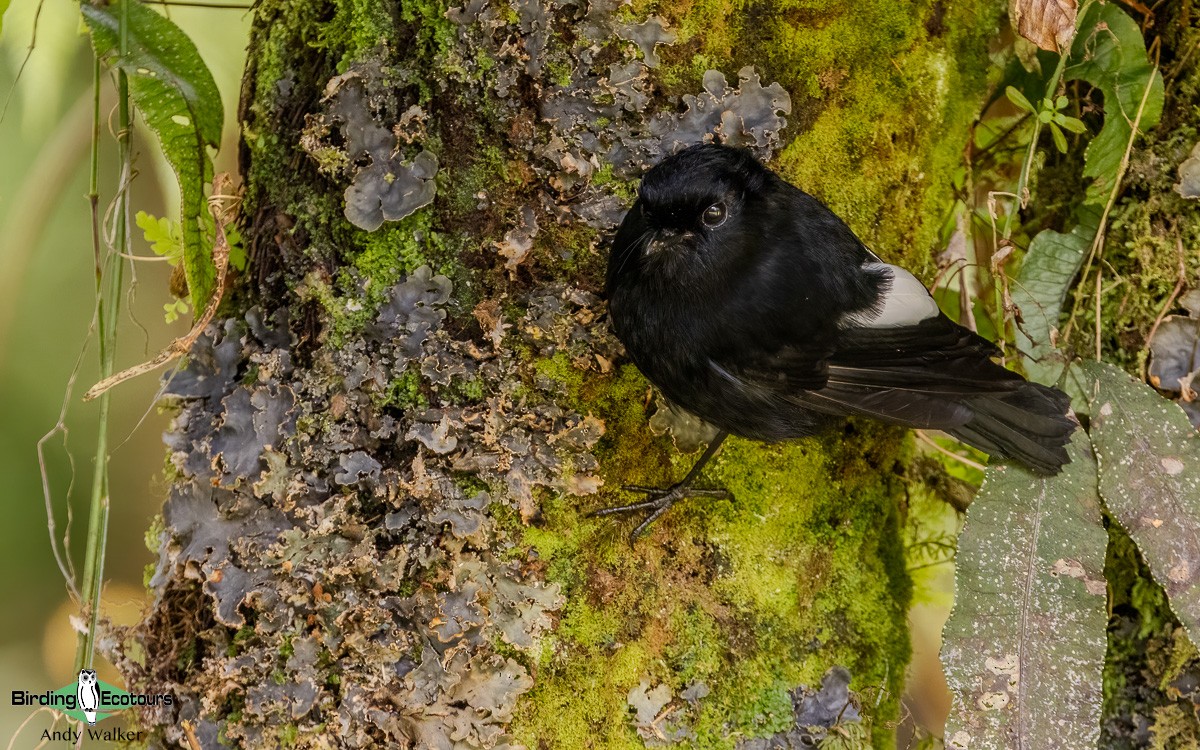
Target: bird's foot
x: 661, y: 499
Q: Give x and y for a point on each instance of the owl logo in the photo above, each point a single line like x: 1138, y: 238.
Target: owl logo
x: 88, y: 694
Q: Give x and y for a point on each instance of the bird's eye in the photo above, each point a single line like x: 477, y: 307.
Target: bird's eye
x: 714, y: 215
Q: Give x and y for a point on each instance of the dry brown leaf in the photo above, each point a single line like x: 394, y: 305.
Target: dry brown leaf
x: 1049, y: 24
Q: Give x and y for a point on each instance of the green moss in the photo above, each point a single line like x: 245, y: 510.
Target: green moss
x: 563, y: 376
x: 463, y: 391
x: 153, y: 533
x: 883, y: 97
x: 397, y: 249
x: 625, y: 189
x: 358, y: 29
x: 186, y: 657
x: 406, y: 392
x: 243, y: 634
x: 572, y: 251
x: 484, y: 171
x: 560, y: 71
x: 288, y: 734
x: 435, y: 32
x: 343, y: 318
x: 696, y: 653
x: 581, y: 707
x: 752, y: 596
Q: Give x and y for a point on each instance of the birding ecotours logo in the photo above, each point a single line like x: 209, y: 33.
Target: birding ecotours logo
x: 89, y: 699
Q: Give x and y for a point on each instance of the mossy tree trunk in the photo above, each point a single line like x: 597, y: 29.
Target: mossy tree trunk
x: 384, y: 456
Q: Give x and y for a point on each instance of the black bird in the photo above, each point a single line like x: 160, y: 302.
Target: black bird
x: 750, y: 304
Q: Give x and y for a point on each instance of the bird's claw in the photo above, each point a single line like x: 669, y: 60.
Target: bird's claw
x: 661, y: 499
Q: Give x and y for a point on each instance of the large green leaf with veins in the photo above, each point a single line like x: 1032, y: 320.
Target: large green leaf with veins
x: 1149, y: 457
x: 176, y: 95
x: 1024, y: 647
x: 1040, y: 290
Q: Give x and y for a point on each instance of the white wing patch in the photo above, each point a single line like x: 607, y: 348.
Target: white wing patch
x: 906, y: 303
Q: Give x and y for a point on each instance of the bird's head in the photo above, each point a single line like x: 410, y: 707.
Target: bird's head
x: 690, y: 212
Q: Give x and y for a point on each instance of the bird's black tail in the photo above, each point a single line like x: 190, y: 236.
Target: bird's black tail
x: 1031, y: 425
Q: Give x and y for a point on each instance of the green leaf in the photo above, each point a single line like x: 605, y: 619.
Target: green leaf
x: 1017, y: 98
x: 1040, y: 289
x: 177, y: 97
x: 1060, y: 102
x: 172, y: 310
x: 1073, y: 124
x: 3, y: 7
x: 164, y: 236
x: 1024, y: 647
x: 1149, y: 458
x: 1045, y: 116
x: 1110, y: 53
x: 1060, y: 140
x: 237, y: 254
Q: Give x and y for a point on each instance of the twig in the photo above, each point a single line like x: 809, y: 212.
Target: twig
x: 145, y: 258
x: 1021, y: 196
x: 962, y: 459
x: 189, y: 4
x: 922, y: 566
x: 183, y: 344
x: 189, y: 731
x: 61, y: 558
x: 107, y: 317
x: 17, y: 733
x: 28, y: 54
x: 65, y: 564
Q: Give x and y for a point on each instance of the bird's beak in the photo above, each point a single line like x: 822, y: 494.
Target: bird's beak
x: 667, y: 238
x: 658, y: 241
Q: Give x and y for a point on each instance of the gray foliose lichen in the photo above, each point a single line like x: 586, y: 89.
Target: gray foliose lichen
x: 313, y: 489
x: 337, y: 565
x: 384, y: 184
x: 597, y: 115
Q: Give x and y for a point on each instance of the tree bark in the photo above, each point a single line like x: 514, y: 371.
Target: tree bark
x: 385, y: 455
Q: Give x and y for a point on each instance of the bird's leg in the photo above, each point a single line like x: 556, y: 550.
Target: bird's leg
x: 662, y: 498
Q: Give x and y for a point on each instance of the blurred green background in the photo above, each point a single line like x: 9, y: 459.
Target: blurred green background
x: 47, y: 296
